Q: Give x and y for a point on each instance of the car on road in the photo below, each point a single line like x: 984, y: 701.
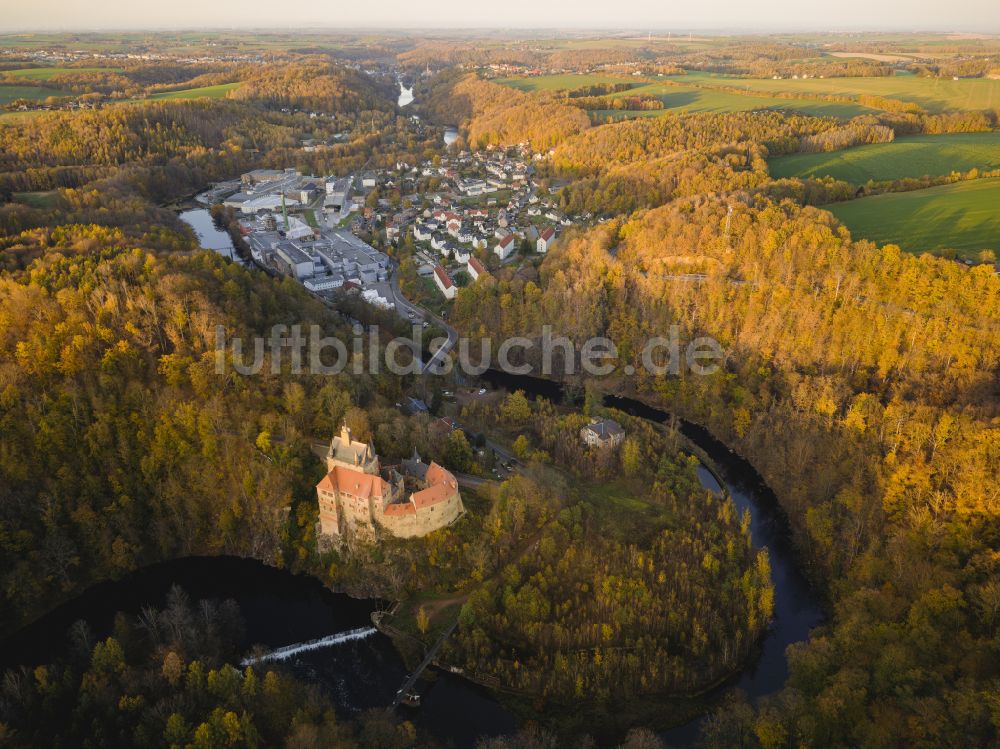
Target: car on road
x: 482, y: 391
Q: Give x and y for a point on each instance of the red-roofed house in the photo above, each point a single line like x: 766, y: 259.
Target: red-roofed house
x: 444, y: 282
x: 505, y: 247
x: 545, y: 240
x: 475, y: 268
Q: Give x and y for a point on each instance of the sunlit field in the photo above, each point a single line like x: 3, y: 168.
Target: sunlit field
x: 963, y: 217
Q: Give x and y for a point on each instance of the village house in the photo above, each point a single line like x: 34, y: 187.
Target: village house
x: 475, y: 268
x: 444, y: 282
x: 505, y: 247
x: 545, y: 240
x: 602, y: 433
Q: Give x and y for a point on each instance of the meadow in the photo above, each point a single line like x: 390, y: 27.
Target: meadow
x: 45, y: 74
x: 218, y: 91
x: 933, y: 94
x: 676, y: 96
x: 963, y: 217
x: 567, y: 81
x: 916, y: 156
x: 44, y: 199
x: 693, y: 99
x: 33, y: 93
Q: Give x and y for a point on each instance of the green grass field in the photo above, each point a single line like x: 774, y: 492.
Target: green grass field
x: 204, y: 92
x: 44, y: 74
x: 623, y: 508
x: 676, y: 96
x: 34, y: 93
x: 916, y: 156
x: 964, y: 217
x: 567, y: 81
x: 933, y: 94
x: 37, y: 199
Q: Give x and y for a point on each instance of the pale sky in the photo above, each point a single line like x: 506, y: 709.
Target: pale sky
x: 325, y: 15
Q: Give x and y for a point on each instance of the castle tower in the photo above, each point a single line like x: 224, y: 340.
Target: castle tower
x: 347, y: 452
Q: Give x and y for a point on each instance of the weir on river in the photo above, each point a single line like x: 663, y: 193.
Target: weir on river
x: 286, y: 652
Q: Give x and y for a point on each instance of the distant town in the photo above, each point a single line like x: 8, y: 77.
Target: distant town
x: 484, y: 212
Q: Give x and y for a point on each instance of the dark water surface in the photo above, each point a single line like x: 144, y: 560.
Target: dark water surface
x: 210, y: 236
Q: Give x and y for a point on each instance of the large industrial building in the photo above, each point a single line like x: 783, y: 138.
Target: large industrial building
x: 324, y: 260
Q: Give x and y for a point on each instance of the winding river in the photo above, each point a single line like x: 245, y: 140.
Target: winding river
x: 406, y: 98
x: 326, y: 637
x: 797, y: 605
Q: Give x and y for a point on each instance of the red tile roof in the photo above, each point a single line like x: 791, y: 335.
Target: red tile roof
x: 432, y: 495
x: 399, y: 509
x: 445, y: 278
x: 356, y: 483
x: 441, y: 486
x: 476, y: 265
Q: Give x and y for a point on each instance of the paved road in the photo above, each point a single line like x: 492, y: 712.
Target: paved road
x: 404, y: 306
x: 470, y: 481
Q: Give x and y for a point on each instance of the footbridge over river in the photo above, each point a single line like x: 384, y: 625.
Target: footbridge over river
x: 428, y: 659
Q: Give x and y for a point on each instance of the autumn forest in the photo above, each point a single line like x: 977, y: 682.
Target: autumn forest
x: 597, y: 596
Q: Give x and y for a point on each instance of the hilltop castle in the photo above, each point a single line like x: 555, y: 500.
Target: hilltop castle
x: 408, y: 500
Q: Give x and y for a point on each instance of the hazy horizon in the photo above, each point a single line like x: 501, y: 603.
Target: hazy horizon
x: 719, y: 16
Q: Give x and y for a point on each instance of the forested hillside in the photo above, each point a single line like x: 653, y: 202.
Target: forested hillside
x: 642, y: 583
x: 317, y: 84
x: 493, y: 114
x: 862, y: 384
x: 860, y: 381
x: 119, y: 442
